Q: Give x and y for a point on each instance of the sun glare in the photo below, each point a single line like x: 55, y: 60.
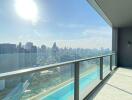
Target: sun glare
x: 27, y: 9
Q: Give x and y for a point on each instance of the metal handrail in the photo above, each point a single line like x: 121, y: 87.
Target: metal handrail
x: 46, y: 67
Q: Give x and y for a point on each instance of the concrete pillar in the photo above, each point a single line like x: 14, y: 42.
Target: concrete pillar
x: 115, y: 43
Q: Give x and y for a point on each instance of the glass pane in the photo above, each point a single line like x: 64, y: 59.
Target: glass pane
x: 106, y: 66
x: 53, y: 84
x: 89, y: 76
x: 113, y: 62
x: 49, y: 31
x: 15, y: 61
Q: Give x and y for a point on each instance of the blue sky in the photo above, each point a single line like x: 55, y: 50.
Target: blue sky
x: 71, y: 23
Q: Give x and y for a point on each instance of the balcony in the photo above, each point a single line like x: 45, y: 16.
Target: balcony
x: 63, y: 81
x: 95, y: 78
x: 118, y: 87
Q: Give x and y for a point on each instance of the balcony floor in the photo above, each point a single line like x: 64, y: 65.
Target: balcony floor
x: 118, y: 87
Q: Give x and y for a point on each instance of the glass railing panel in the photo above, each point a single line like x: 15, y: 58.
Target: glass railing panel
x: 89, y: 76
x: 12, y: 88
x: 9, y: 62
x: 106, y: 66
x: 16, y: 61
x: 52, y: 84
x: 113, y: 62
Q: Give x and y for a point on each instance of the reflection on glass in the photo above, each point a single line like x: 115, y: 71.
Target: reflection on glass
x: 113, y: 62
x: 89, y: 76
x: 106, y: 66
x: 56, y: 83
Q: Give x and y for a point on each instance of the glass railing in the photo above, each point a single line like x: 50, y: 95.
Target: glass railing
x: 113, y: 62
x: 106, y: 66
x: 89, y: 76
x: 72, y: 80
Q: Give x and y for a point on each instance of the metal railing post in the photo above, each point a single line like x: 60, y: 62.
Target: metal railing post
x: 101, y: 68
x: 76, y: 81
x: 110, y: 62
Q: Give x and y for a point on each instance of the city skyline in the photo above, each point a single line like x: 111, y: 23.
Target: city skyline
x: 17, y: 56
x: 26, y: 46
x: 66, y: 26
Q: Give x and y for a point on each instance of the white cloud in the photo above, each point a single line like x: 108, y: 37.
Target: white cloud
x: 36, y: 37
x: 44, y: 19
x: 92, y: 37
x: 97, y: 32
x: 95, y: 37
x: 71, y: 25
x: 85, y: 43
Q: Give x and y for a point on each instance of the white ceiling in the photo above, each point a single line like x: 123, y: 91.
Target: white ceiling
x: 118, y: 12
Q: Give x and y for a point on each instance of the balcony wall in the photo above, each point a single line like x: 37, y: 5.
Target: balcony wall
x: 125, y: 47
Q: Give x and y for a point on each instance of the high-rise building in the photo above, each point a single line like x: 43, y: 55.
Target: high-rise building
x: 28, y: 46
x: 7, y: 48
